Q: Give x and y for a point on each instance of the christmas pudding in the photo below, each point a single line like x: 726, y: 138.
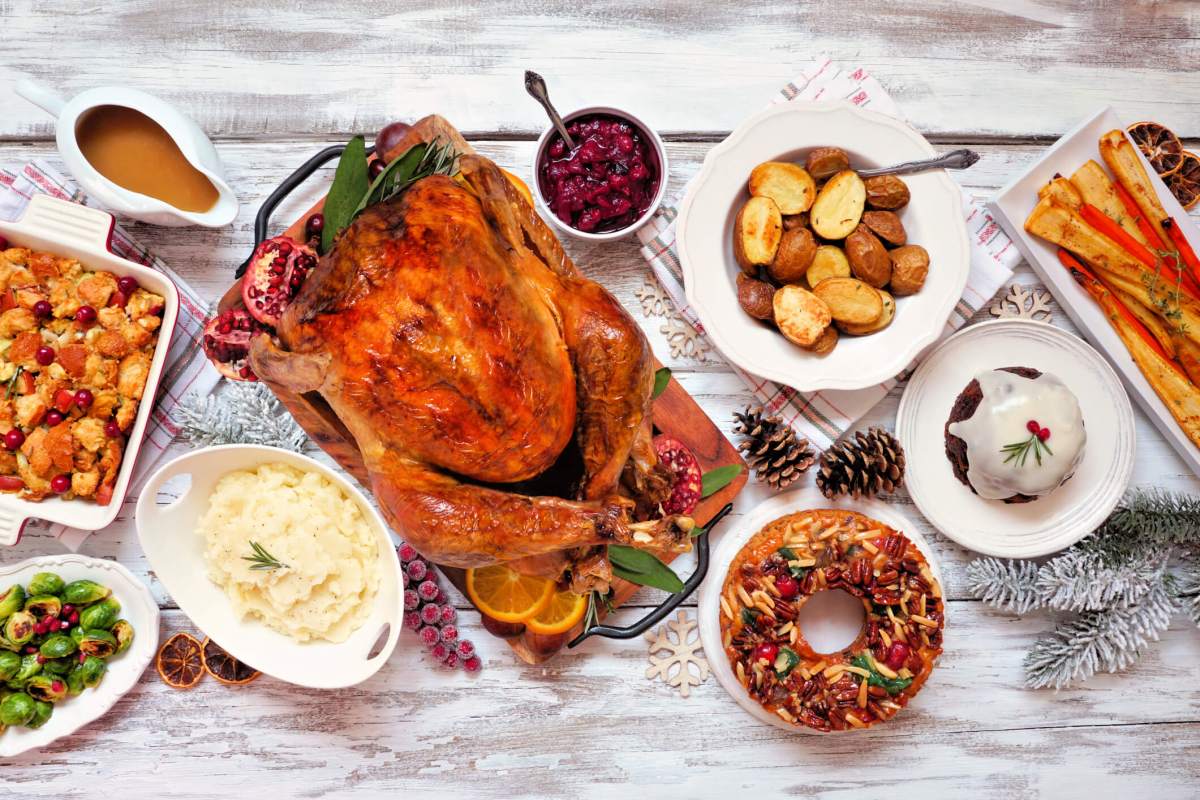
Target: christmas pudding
x: 1015, y: 434
x: 793, y: 559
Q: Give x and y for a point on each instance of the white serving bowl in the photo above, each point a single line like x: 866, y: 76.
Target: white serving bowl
x: 704, y: 238
x: 544, y: 141
x: 735, y: 538
x: 176, y: 553
x: 137, y: 606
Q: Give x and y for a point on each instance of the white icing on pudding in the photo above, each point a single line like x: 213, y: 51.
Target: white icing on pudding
x: 1003, y: 418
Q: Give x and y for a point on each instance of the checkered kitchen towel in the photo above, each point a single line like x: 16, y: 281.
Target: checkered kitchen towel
x: 824, y: 416
x: 187, y: 372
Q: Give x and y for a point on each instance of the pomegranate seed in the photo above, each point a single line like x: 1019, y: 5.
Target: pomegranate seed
x: 60, y: 483
x: 767, y: 651
x: 64, y: 625
x: 42, y: 308
x: 40, y: 628
x: 1032, y: 426
x: 1044, y: 434
x: 53, y: 417
x: 41, y: 659
x: 67, y: 609
x: 82, y: 657
x: 127, y: 284
x: 14, y: 439
x: 111, y: 429
x: 30, y: 649
x: 73, y: 618
x: 57, y: 686
x: 44, y: 356
x: 788, y: 586
x: 86, y: 315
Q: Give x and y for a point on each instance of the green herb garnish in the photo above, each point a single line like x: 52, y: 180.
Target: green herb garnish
x: 12, y: 383
x: 1018, y: 452
x: 262, y: 560
x: 662, y: 378
x: 642, y: 568
x: 717, y: 479
x: 350, y: 184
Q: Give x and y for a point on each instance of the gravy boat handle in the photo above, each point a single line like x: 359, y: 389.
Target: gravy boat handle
x: 41, y: 96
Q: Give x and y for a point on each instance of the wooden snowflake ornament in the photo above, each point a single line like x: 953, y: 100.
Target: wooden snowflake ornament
x: 679, y: 662
x: 1021, y: 303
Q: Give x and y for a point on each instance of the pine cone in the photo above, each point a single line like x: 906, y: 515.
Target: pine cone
x: 772, y: 448
x: 871, y: 463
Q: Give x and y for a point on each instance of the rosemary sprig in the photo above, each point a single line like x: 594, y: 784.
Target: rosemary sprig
x: 1019, y: 451
x: 12, y: 382
x: 591, y: 617
x: 419, y: 161
x: 262, y: 560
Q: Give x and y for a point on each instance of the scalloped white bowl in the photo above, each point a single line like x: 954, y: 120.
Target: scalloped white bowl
x: 933, y: 219
x: 137, y: 606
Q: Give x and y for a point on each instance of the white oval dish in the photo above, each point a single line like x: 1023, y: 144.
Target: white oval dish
x: 137, y: 606
x: 933, y: 219
x: 176, y: 553
x: 1053, y: 521
x: 734, y: 539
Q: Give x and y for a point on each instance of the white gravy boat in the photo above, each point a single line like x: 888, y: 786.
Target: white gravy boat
x: 192, y: 142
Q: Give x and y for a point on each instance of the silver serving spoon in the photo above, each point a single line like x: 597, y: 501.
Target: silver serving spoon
x: 537, y: 90
x: 955, y: 159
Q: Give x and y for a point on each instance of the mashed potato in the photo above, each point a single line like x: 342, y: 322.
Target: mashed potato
x: 302, y: 519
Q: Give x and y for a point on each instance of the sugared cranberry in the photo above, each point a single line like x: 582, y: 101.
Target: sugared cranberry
x: 314, y: 226
x: 42, y: 309
x: 54, y: 417
x: 44, y: 356
x: 84, y: 399
x: 60, y: 483
x: 85, y: 315
x: 407, y: 553
x: 465, y: 649
x: 897, y: 655
x: 14, y: 439
x: 788, y: 586
x: 439, y: 651
x: 111, y: 429
x: 1043, y: 434
x: 1032, y: 426
x: 472, y: 664
x: 767, y: 651
x: 127, y: 284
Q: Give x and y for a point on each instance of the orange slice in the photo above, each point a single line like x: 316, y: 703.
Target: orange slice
x: 224, y: 667
x: 506, y: 595
x: 1185, y: 182
x: 180, y: 663
x: 1159, y: 145
x: 561, y: 614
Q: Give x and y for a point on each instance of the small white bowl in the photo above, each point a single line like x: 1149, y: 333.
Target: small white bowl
x: 663, y: 168
x: 137, y: 606
x: 176, y: 554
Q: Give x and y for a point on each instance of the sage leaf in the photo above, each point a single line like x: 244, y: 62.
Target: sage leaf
x: 642, y: 568
x: 662, y: 378
x: 350, y: 185
x: 717, y: 479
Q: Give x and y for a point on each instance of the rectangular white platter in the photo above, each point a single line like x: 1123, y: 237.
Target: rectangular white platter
x: 1012, y: 204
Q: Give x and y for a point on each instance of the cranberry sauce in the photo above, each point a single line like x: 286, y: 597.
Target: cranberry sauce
x: 607, y: 182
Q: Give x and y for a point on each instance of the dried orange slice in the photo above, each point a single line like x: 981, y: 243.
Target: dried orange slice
x: 1159, y: 145
x: 507, y: 595
x: 224, y: 667
x: 180, y: 661
x: 1185, y: 182
x: 560, y: 615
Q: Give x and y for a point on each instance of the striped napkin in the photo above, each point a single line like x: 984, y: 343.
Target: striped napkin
x: 824, y: 416
x: 186, y: 372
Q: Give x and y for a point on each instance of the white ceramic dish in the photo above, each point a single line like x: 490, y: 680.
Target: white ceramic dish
x: 734, y: 539
x: 137, y: 606
x: 176, y: 553
x: 1012, y: 204
x: 933, y: 219
x: 664, y: 174
x: 69, y: 229
x: 1056, y: 520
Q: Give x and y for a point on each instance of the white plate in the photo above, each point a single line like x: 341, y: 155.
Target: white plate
x: 1056, y: 520
x: 933, y: 219
x: 75, y: 231
x: 137, y: 606
x: 176, y: 553
x: 733, y: 540
x: 1012, y: 205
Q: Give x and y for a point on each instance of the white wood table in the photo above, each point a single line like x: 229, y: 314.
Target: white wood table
x: 274, y: 82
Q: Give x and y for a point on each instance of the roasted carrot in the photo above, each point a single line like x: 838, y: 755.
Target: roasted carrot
x: 1107, y: 226
x: 1175, y: 234
x: 1152, y: 236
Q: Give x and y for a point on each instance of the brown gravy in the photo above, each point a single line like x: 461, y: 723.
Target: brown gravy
x: 134, y: 152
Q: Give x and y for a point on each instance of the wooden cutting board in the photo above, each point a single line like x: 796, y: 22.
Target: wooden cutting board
x: 674, y: 412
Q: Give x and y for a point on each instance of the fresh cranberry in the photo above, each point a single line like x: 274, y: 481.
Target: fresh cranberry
x: 42, y: 309
x: 1043, y: 434
x: 84, y: 399
x: 54, y: 417
x: 3, y: 243
x: 127, y: 284
x: 897, y: 655
x: 14, y: 439
x: 788, y: 586
x: 1032, y: 426
x: 375, y: 168
x: 44, y: 356
x: 314, y: 226
x: 111, y: 429
x: 767, y: 651
x: 60, y: 483
x: 118, y: 299
x: 85, y: 315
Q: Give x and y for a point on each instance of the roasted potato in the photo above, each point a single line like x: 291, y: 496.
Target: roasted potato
x: 887, y: 226
x: 788, y: 185
x: 825, y: 162
x: 755, y: 296
x: 850, y: 300
x: 886, y: 192
x: 796, y: 250
x: 756, y: 234
x: 839, y: 206
x: 828, y: 262
x: 885, y: 319
x: 910, y: 265
x: 802, y: 317
x: 868, y: 259
x: 793, y: 221
x: 825, y: 342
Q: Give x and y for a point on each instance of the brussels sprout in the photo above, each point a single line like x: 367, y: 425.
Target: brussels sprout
x: 41, y: 714
x: 44, y: 605
x: 17, y: 709
x: 46, y: 583
x: 59, y: 666
x: 101, y: 644
x: 18, y: 629
x: 30, y: 666
x: 92, y: 671
x: 5, y: 644
x: 77, y: 634
x: 10, y: 665
x: 123, y: 632
x: 75, y: 685
x: 100, y: 616
x: 47, y: 688
x: 80, y: 593
x: 12, y: 600
x: 57, y: 645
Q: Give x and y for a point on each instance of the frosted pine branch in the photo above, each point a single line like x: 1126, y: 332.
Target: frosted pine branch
x: 1084, y: 580
x: 1007, y: 585
x: 242, y: 413
x: 1154, y: 517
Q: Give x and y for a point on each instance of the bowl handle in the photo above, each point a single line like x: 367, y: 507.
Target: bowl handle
x: 11, y: 524
x: 71, y: 223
